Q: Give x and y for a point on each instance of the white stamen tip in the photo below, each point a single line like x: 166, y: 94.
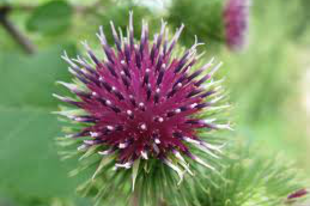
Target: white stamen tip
x: 129, y: 112
x: 109, y: 127
x: 177, y: 111
x: 122, y: 145
x: 94, y: 134
x: 143, y: 126
x: 157, y: 141
x: 94, y: 93
x: 192, y: 106
x: 108, y: 102
x: 160, y: 119
x: 141, y: 104
x: 144, y: 155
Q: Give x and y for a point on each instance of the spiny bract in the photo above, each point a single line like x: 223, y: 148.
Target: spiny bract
x: 141, y: 102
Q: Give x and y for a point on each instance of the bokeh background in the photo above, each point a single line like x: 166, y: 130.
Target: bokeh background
x: 268, y: 80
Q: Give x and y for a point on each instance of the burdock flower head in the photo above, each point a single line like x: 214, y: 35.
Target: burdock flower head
x: 144, y: 102
x: 236, y: 17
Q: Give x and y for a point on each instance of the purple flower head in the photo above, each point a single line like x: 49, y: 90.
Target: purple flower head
x: 236, y: 17
x: 143, y: 101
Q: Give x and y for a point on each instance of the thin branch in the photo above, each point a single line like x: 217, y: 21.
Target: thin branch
x: 22, y: 40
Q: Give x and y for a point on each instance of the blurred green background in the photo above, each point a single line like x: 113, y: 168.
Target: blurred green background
x: 268, y: 80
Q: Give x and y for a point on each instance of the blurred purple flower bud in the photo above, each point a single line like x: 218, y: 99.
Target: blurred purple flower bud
x: 236, y: 20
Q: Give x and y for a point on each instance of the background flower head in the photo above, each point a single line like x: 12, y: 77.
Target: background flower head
x: 236, y: 17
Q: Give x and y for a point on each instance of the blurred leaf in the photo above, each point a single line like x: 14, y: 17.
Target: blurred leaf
x: 208, y: 25
x: 4, y: 2
x: 29, y: 162
x: 51, y: 18
x: 30, y: 81
x: 120, y: 17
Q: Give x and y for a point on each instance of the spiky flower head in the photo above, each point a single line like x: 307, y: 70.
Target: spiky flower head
x: 236, y: 17
x: 144, y: 101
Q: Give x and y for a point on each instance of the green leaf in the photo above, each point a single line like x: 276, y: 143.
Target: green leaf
x: 31, y: 81
x: 51, y: 18
x: 30, y: 165
x: 4, y: 2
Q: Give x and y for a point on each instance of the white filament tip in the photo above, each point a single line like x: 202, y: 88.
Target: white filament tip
x: 144, y: 155
x: 157, y: 141
x: 143, y: 126
x: 122, y: 145
x: 94, y: 134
